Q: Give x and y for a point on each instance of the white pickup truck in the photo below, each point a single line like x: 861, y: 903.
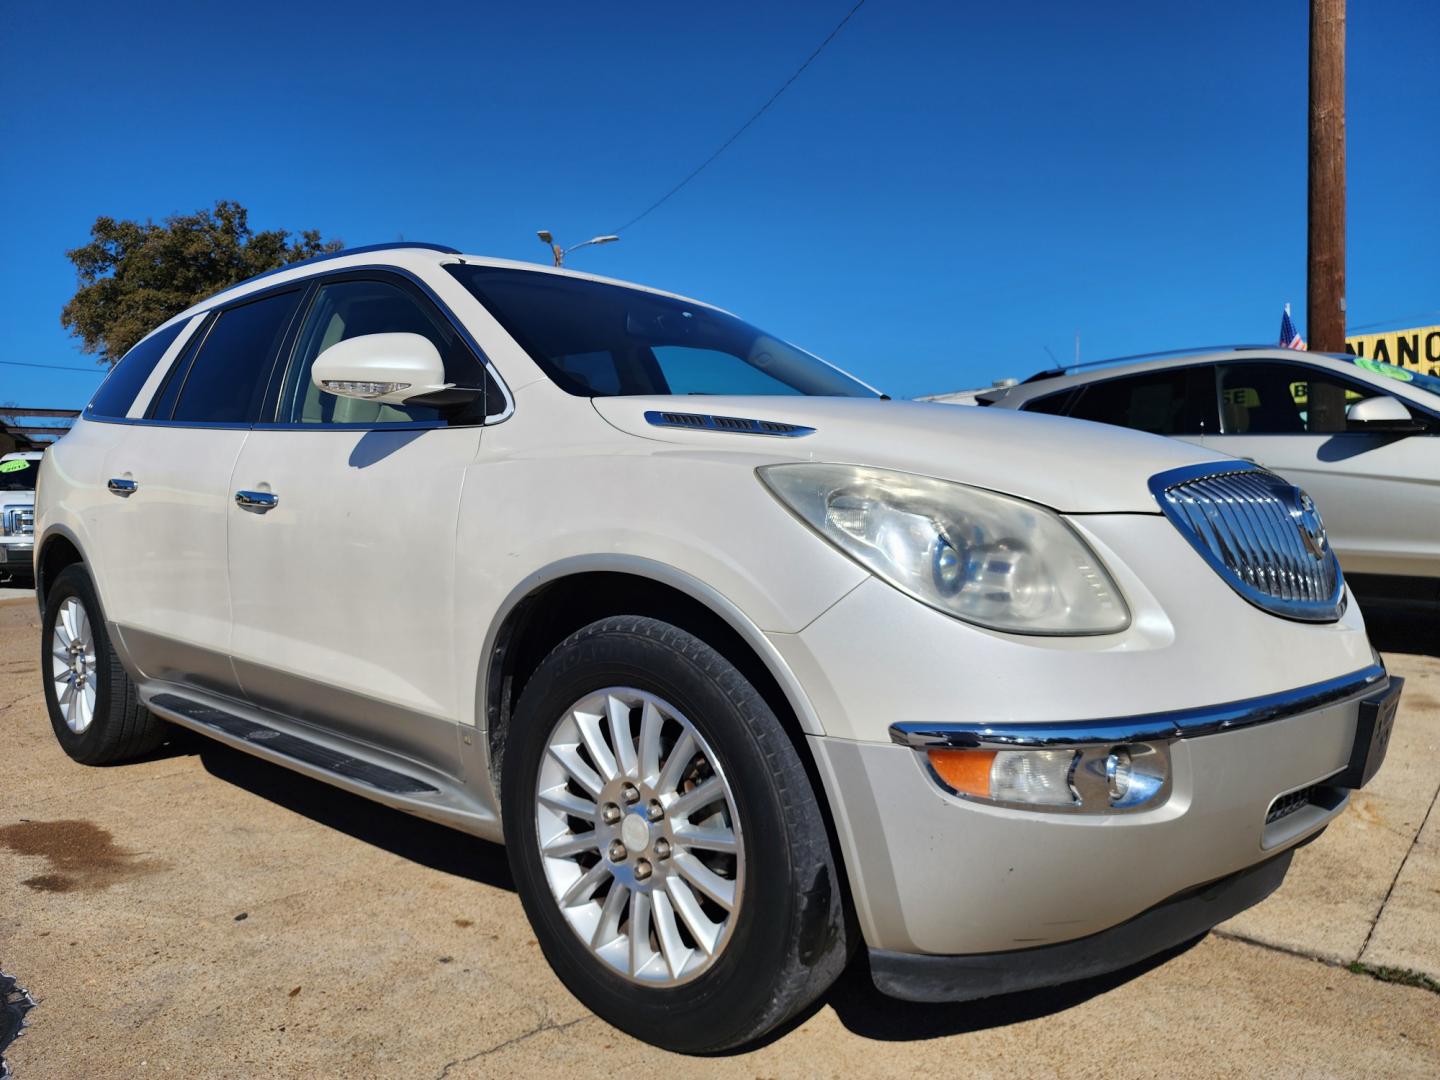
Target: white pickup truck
x: 17, y: 516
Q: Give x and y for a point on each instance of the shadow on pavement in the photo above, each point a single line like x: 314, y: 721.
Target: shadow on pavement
x: 436, y: 846
x: 857, y: 1003
x: 866, y: 1012
x: 1399, y: 630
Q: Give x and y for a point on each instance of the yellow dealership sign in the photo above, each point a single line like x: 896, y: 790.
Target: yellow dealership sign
x: 1417, y: 349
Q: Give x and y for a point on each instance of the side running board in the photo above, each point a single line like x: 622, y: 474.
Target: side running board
x: 282, y: 744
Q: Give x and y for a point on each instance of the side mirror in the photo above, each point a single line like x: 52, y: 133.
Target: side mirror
x: 1383, y: 413
x: 393, y: 369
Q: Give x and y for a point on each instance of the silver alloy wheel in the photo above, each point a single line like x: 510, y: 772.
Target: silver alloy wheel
x: 639, y: 836
x: 72, y: 664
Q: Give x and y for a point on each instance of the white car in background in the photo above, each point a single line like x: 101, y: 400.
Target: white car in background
x: 18, y: 471
x: 748, y: 666
x: 1361, y: 436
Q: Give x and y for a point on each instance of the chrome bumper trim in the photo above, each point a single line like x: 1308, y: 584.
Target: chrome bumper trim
x: 1179, y: 724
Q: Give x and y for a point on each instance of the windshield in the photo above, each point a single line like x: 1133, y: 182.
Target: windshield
x: 1418, y: 379
x: 18, y: 474
x: 599, y: 340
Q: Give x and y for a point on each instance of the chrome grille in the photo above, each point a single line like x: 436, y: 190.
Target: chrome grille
x: 17, y: 521
x: 1260, y: 533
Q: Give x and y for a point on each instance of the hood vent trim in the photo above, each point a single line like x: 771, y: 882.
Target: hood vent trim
x: 735, y: 425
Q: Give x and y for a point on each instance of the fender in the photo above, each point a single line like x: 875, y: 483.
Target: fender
x: 663, y: 574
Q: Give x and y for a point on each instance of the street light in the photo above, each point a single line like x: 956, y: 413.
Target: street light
x: 559, y: 253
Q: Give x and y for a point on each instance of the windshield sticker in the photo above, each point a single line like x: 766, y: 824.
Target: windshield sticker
x: 1379, y: 367
x: 14, y: 466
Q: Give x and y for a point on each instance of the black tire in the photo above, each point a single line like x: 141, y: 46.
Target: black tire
x: 122, y: 728
x: 791, y: 938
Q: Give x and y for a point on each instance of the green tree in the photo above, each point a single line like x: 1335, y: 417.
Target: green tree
x: 134, y: 275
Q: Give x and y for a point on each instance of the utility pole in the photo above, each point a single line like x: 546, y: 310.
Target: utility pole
x: 1325, y: 279
x: 1325, y: 291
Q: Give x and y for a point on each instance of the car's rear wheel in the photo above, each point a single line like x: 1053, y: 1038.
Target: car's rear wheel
x: 666, y: 840
x: 94, y: 707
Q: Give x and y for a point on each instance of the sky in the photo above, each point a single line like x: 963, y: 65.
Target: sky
x: 945, y: 197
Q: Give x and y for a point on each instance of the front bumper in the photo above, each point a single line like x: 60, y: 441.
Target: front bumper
x: 17, y: 554
x: 935, y: 873
x: 1175, y: 921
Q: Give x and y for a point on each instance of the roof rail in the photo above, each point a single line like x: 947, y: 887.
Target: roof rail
x: 398, y: 245
x: 1199, y: 350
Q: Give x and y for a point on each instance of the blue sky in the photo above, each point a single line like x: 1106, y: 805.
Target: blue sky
x: 948, y: 191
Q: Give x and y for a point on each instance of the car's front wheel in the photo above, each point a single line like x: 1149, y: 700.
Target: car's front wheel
x: 666, y: 841
x: 94, y: 707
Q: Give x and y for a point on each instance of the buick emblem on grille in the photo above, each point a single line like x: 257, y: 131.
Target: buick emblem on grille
x: 1312, y: 529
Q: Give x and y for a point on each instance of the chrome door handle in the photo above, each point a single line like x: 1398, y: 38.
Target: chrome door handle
x: 256, y: 500
x: 122, y: 487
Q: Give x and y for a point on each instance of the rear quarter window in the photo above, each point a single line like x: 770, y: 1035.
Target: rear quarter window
x: 117, y: 392
x: 1050, y: 404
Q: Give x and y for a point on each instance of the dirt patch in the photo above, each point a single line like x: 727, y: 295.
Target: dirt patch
x: 82, y: 856
x: 1364, y: 808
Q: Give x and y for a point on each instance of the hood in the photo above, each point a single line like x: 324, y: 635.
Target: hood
x: 1072, y: 466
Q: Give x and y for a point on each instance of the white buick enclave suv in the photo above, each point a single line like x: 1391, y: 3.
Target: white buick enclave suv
x: 746, y: 664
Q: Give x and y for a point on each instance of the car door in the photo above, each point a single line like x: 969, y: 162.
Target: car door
x: 164, y: 529
x: 342, y: 558
x: 1379, y: 492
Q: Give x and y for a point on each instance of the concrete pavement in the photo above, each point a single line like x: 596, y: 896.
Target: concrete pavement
x: 205, y: 914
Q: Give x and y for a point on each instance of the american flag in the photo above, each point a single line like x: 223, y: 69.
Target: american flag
x: 1290, y: 337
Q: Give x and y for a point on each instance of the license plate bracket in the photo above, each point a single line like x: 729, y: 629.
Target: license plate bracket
x: 1373, y: 724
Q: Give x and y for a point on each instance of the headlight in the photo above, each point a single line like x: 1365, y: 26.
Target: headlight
x: 1094, y: 779
x: 982, y: 557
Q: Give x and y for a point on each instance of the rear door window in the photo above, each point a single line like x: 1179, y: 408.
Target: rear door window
x: 227, y: 377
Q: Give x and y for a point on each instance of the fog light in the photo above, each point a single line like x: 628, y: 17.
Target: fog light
x: 1135, y: 774
x: 1117, y: 774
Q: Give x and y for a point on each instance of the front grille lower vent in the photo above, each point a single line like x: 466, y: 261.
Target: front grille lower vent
x: 739, y: 424
x: 1260, y: 533
x: 1286, y: 805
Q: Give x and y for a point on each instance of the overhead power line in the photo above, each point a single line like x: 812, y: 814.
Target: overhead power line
x: 1385, y: 323
x: 54, y: 367
x: 743, y: 127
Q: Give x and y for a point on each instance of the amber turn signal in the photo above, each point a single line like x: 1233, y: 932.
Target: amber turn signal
x: 965, y: 771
